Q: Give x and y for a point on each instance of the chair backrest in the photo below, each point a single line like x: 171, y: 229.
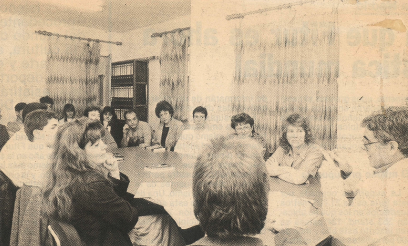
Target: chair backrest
x: 64, y: 234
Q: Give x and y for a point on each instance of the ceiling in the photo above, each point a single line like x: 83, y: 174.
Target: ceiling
x: 116, y: 15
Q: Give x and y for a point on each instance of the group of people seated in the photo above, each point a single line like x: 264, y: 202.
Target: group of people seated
x: 82, y: 184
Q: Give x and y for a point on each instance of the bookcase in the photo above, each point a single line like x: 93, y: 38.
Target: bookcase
x: 129, y: 87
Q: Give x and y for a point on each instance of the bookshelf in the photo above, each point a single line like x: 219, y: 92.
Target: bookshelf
x: 129, y: 87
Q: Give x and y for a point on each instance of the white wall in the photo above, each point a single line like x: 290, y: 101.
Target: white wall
x: 212, y: 59
x: 23, y: 55
x: 369, y: 54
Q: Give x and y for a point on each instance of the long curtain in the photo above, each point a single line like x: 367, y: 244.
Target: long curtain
x: 72, y: 73
x: 288, y: 62
x: 174, y: 84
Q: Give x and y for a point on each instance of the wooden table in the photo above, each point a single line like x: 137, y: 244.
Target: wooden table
x: 135, y: 159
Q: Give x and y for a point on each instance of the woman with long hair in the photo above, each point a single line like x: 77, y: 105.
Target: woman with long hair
x: 297, y: 157
x: 68, y: 114
x: 110, y: 121
x: 86, y: 189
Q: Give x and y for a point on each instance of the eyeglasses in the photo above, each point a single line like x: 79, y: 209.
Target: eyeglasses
x: 367, y: 144
x: 370, y: 143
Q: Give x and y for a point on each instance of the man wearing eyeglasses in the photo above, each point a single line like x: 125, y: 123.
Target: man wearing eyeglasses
x: 378, y: 213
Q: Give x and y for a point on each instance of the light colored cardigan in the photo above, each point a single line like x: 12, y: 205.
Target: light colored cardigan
x: 176, y: 128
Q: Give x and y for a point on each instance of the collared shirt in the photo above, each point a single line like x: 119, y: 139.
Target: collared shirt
x: 25, y: 162
x: 308, y: 159
x: 379, y: 209
x: 141, y: 134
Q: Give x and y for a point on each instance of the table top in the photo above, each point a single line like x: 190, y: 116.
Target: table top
x: 135, y: 160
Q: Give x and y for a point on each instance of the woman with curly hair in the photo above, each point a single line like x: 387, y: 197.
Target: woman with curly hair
x: 297, y: 157
x: 169, y: 130
x: 243, y: 125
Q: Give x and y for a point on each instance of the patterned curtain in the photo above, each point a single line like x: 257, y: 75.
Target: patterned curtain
x: 72, y: 73
x: 289, y: 62
x: 174, y: 84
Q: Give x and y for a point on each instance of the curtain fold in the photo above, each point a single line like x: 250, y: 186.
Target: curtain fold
x: 174, y: 81
x: 72, y: 73
x: 288, y: 62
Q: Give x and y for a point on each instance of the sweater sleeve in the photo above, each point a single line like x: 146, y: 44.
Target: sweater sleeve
x: 104, y: 200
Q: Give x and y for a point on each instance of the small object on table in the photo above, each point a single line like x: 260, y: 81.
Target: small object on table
x: 156, y: 148
x: 159, y: 168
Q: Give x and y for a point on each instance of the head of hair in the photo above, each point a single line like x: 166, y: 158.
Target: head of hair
x: 163, y: 106
x: 47, y: 100
x: 241, y: 118
x: 90, y: 109
x: 299, y: 121
x: 227, y: 171
x: 131, y: 111
x: 36, y: 120
x: 111, y: 110
x: 68, y: 108
x: 390, y: 125
x: 31, y: 107
x: 202, y: 110
x: 19, y: 106
x: 69, y: 163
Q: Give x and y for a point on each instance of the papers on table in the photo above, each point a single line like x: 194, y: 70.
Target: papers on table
x: 179, y: 204
x: 288, y: 211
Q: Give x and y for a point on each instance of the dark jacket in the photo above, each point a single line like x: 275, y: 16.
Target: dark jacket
x: 7, y: 197
x: 4, y: 136
x: 102, y: 212
x: 117, y: 130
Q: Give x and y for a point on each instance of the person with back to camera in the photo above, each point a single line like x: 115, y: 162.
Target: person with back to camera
x: 110, y: 121
x: 169, y: 130
x: 86, y: 189
x: 230, y: 190
x: 192, y: 141
x: 243, y: 125
x: 68, y: 114
x: 297, y: 157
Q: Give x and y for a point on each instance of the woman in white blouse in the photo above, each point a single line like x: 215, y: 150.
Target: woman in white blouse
x: 192, y: 141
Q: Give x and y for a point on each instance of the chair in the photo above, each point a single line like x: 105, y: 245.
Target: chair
x: 26, y: 228
x: 63, y: 234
